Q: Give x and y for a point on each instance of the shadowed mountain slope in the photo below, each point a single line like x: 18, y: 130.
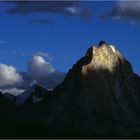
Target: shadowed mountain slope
x: 100, y: 94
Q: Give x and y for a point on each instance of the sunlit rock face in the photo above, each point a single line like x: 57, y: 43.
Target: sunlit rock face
x: 99, y: 94
x: 105, y: 57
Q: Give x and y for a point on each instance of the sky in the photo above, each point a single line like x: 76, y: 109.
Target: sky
x: 61, y: 32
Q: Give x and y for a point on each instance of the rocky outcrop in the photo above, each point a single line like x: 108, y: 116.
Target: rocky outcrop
x: 100, y: 94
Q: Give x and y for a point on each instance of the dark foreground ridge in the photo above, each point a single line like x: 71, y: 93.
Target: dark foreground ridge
x: 99, y: 98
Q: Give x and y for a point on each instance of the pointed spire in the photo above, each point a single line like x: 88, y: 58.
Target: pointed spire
x: 101, y: 43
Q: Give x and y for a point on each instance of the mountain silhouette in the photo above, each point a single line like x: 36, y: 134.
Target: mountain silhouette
x: 100, y: 94
x: 99, y: 98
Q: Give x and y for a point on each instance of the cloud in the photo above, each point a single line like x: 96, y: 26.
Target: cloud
x: 13, y: 91
x: 44, y: 54
x: 124, y: 10
x: 67, y: 8
x: 38, y: 67
x: 73, y: 10
x: 9, y: 76
x: 39, y: 71
x: 44, y: 73
x: 77, y: 11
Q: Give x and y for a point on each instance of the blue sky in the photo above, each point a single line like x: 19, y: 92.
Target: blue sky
x: 65, y: 36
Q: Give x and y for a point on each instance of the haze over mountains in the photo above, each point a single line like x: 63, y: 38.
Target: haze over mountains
x: 100, y: 96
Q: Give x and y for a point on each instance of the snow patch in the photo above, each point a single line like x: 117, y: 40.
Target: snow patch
x: 113, y: 48
x: 94, y: 49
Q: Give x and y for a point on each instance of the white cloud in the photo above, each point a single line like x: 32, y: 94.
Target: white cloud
x: 39, y: 68
x: 78, y: 11
x: 44, y: 54
x: 74, y: 10
x: 43, y: 73
x: 39, y: 71
x: 9, y: 76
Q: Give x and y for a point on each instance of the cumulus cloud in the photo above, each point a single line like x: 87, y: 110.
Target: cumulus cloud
x: 9, y: 76
x: 44, y: 54
x: 68, y: 8
x: 43, y: 73
x: 124, y: 10
x: 38, y: 67
x: 39, y: 71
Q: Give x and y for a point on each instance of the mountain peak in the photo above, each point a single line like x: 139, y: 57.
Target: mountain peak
x: 100, y: 93
x: 104, y: 57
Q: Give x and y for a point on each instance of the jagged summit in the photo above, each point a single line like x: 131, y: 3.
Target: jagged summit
x: 101, y: 43
x: 104, y: 57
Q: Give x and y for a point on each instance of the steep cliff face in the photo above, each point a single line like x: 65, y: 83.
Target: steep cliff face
x: 100, y: 94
